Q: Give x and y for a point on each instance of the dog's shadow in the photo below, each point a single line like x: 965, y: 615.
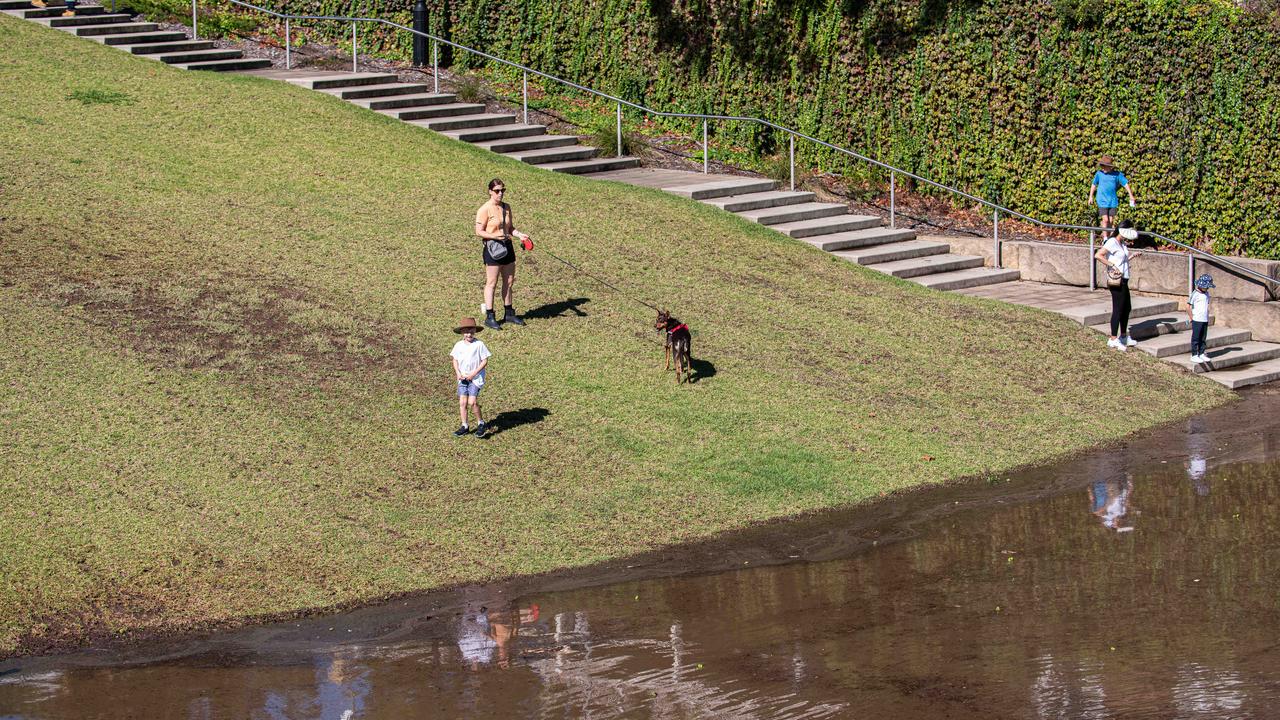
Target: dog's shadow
x: 702, y: 369
x: 511, y: 419
x: 556, y: 309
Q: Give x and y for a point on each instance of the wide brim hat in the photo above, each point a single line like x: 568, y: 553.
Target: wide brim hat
x: 1205, y: 282
x: 1106, y: 161
x: 467, y: 323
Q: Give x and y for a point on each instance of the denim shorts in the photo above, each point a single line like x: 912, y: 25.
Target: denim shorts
x: 468, y: 388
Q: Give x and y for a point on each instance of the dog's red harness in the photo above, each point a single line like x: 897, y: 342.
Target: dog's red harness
x: 677, y: 328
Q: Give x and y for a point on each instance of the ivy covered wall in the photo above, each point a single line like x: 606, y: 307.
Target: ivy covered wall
x: 1010, y: 99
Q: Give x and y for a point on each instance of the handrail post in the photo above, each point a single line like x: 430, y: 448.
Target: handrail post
x: 1093, y: 264
x: 995, y: 252
x: 619, y: 129
x: 435, y: 65
x: 705, y: 158
x: 195, y: 24
x: 893, y: 199
x: 288, y: 46
x: 1191, y: 273
x: 526, y: 97
x: 353, y: 47
x: 793, y: 161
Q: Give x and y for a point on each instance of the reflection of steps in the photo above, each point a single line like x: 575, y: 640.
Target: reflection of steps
x: 137, y: 38
x: 1160, y: 327
x: 468, y: 122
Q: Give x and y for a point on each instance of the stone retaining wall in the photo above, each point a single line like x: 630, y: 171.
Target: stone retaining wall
x: 1238, y: 301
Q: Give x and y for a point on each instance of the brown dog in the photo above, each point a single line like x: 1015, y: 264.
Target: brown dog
x: 678, y: 345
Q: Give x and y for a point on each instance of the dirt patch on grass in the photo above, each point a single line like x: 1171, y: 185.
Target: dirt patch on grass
x: 237, y: 325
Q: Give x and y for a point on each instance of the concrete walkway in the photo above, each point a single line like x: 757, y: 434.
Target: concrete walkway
x: 1159, y: 326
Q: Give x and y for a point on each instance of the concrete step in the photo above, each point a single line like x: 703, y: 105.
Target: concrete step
x: 26, y: 4
x: 1241, y: 376
x: 722, y: 188
x: 860, y: 238
x: 140, y: 38
x: 1095, y: 313
x: 543, y: 156
x: 890, y: 252
x: 378, y: 90
x: 227, y: 65
x: 794, y: 213
x: 756, y: 201
x: 1231, y: 355
x: 1180, y: 343
x: 535, y: 142
x: 827, y: 225
x: 167, y: 47
x: 121, y: 28
x: 928, y: 265
x: 464, y: 121
x: 56, y: 11
x: 495, y: 132
x: 973, y: 277
x: 1154, y: 326
x: 345, y: 80
x: 436, y: 111
x: 586, y: 167
x: 97, y: 19
x: 407, y: 100
x: 198, y: 56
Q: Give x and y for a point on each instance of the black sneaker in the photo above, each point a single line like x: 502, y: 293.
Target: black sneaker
x: 511, y: 317
x: 482, y: 430
x: 462, y: 430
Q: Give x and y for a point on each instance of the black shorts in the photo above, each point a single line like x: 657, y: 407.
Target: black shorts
x: 507, y: 259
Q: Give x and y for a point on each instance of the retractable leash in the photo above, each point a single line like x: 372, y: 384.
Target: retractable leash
x: 604, y: 282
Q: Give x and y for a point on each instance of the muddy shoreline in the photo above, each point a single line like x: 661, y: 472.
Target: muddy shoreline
x: 817, y: 537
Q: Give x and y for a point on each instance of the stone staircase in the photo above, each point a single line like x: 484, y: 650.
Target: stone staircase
x: 1159, y: 326
x: 862, y: 239
x: 139, y: 38
x: 416, y: 104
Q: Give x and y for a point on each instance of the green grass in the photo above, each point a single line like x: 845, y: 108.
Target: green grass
x: 225, y: 314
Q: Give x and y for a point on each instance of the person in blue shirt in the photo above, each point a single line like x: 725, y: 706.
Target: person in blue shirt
x: 1107, y: 182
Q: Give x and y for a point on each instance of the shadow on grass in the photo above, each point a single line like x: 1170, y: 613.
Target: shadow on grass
x: 511, y: 419
x: 556, y: 309
x: 702, y: 369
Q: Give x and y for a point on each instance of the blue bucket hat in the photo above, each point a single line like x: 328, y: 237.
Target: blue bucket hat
x: 1205, y: 281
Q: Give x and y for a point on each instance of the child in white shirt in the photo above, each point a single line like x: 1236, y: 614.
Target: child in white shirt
x: 1198, y: 314
x: 470, y: 358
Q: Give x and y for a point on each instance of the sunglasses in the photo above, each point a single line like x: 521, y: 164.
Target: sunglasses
x: 498, y: 190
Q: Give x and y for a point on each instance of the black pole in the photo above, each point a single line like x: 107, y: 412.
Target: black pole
x: 420, y: 58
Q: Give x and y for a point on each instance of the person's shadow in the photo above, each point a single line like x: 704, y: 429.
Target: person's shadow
x: 556, y: 309
x: 702, y: 369
x: 510, y: 419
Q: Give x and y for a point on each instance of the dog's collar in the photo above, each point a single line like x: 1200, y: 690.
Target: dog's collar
x: 681, y: 326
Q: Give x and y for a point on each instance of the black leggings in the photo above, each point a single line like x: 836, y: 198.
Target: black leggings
x: 1120, y: 307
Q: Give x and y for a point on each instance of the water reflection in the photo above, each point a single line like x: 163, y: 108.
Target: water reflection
x: 1019, y: 611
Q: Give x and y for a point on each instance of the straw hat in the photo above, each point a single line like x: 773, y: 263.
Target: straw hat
x: 1106, y: 161
x: 467, y: 324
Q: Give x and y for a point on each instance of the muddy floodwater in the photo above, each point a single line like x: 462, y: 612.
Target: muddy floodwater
x: 1142, y: 581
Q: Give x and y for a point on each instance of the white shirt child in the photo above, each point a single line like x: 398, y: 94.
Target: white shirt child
x: 469, y: 356
x: 1199, y: 303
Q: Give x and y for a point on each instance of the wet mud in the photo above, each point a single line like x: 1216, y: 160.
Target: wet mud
x: 1136, y: 581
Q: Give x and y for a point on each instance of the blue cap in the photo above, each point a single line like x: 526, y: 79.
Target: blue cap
x: 1205, y: 281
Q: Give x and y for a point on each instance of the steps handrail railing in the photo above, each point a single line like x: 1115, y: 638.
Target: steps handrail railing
x: 893, y: 171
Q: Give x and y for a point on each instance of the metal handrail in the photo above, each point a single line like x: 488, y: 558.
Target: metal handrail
x: 893, y: 171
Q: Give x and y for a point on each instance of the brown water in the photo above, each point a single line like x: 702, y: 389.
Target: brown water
x: 1140, y: 582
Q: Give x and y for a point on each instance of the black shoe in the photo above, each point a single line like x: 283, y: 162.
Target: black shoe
x: 511, y: 317
x: 462, y: 430
x: 482, y: 430
x: 490, y: 321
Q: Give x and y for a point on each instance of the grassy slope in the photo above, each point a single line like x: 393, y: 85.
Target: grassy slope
x: 224, y: 313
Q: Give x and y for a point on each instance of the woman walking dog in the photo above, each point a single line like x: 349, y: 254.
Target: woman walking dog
x: 495, y: 228
x: 1116, y: 255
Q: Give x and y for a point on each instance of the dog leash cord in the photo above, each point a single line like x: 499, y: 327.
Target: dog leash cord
x: 604, y: 282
